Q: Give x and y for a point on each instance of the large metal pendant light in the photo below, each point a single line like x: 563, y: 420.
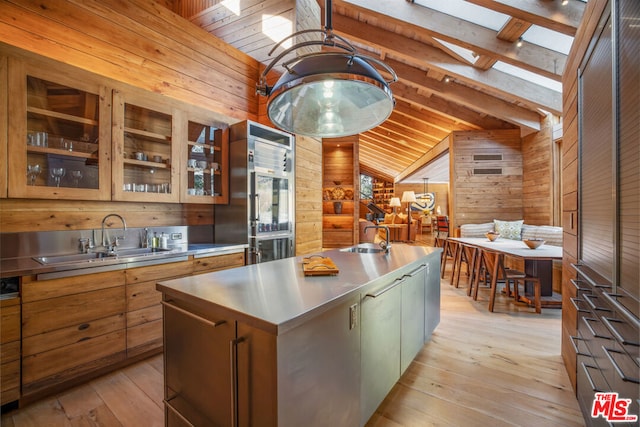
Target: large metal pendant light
x: 328, y: 94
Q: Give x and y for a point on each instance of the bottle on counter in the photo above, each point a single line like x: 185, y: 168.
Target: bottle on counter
x: 155, y: 241
x: 164, y: 241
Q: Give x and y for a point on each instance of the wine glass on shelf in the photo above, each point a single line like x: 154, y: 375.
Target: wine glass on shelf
x: 77, y: 176
x: 32, y: 173
x: 57, y: 174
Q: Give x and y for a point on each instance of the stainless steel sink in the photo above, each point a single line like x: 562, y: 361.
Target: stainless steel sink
x: 97, y: 256
x: 363, y: 249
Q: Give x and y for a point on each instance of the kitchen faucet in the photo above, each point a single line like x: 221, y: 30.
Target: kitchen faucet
x: 112, y: 245
x: 385, y: 243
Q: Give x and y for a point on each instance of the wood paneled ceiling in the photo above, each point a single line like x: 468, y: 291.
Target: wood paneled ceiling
x: 445, y: 65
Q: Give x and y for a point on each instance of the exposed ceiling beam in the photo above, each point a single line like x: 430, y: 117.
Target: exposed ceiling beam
x: 453, y: 110
x: 548, y: 14
x: 469, y: 97
x: 414, y: 52
x: 479, y: 39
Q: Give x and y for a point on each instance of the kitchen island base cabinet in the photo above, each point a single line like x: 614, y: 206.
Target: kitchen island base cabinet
x: 236, y: 374
x: 265, y: 345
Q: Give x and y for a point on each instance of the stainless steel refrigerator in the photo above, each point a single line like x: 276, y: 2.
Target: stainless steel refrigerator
x: 261, y: 209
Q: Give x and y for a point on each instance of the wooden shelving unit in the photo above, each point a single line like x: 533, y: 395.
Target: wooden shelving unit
x: 340, y: 193
x: 383, y: 191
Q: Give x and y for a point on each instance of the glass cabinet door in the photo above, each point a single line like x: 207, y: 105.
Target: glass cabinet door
x: 58, y: 136
x: 205, y: 176
x: 144, y: 152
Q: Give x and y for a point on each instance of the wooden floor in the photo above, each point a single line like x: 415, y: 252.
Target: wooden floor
x: 480, y: 369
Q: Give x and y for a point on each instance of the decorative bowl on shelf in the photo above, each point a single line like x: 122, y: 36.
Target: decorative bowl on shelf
x: 492, y: 235
x: 533, y: 243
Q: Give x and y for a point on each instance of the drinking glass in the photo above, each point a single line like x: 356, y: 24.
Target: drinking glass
x: 32, y: 173
x: 77, y: 176
x: 57, y: 174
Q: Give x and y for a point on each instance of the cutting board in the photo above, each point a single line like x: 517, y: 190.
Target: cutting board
x: 317, y: 265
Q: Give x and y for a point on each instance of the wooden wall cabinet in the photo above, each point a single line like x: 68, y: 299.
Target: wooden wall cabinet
x: 204, y: 164
x: 9, y: 350
x: 58, y: 135
x: 146, y: 151
x: 70, y: 327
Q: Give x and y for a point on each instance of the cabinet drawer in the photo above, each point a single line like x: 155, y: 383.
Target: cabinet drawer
x: 144, y: 315
x: 55, y: 313
x: 218, y: 262
x: 159, y: 272
x: 63, y: 363
x: 72, y: 334
x: 144, y: 337
x: 9, y: 351
x: 141, y: 295
x: 10, y: 321
x: 45, y: 289
x: 9, y: 381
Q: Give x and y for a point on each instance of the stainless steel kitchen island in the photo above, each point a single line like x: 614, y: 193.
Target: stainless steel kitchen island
x: 266, y: 345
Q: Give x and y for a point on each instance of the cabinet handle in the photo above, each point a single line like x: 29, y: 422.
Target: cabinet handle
x: 586, y: 372
x: 414, y: 272
x: 586, y: 321
x: 193, y: 316
x: 621, y: 374
x: 575, y: 346
x: 593, y: 305
x: 574, y: 302
x: 176, y: 412
x: 388, y: 288
x: 233, y: 353
x: 83, y: 327
x: 576, y: 284
x: 609, y: 324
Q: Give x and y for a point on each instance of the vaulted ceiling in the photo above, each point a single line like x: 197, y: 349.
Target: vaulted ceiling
x: 447, y: 64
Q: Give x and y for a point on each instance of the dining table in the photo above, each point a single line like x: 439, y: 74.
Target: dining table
x: 537, y: 262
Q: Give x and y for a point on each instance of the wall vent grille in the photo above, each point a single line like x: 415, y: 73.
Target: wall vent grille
x: 486, y: 157
x: 486, y: 171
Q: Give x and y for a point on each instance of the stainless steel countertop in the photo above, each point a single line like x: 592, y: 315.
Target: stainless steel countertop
x: 277, y: 296
x: 27, y: 265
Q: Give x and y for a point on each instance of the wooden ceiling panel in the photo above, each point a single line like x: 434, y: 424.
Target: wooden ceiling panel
x: 419, y: 44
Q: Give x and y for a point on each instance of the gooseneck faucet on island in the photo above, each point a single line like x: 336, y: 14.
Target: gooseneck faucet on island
x: 385, y: 244
x: 112, y: 245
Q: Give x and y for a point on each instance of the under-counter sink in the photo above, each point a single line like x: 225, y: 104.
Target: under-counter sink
x: 364, y: 249
x: 96, y: 256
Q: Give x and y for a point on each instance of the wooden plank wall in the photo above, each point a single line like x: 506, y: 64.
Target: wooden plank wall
x: 258, y: 26
x: 479, y: 198
x: 570, y: 166
x: 138, y: 42
x: 308, y: 195
x: 538, y: 176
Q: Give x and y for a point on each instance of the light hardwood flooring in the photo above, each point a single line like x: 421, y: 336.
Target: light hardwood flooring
x: 480, y: 369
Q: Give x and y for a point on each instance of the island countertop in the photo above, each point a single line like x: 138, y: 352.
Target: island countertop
x: 276, y: 295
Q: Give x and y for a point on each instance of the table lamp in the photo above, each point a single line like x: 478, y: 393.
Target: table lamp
x: 394, y: 203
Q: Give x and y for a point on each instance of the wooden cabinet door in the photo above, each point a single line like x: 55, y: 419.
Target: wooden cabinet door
x: 59, y: 134
x: 198, y: 370
x: 70, y: 327
x: 9, y: 350
x: 146, y: 155
x: 204, y: 163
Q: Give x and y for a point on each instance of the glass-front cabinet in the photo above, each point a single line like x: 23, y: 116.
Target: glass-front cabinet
x: 59, y: 135
x: 205, y: 161
x: 145, y: 151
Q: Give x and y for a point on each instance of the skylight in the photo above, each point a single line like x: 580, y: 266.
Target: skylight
x: 528, y: 76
